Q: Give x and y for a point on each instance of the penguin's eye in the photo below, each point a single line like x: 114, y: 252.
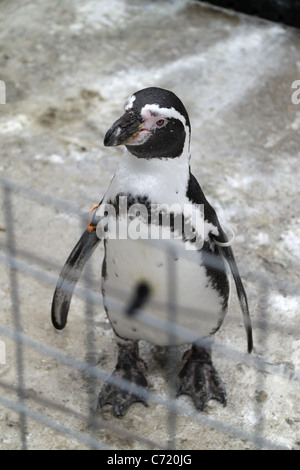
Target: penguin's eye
x: 160, y: 122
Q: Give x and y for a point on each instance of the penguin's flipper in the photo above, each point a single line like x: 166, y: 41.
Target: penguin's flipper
x: 227, y: 252
x: 196, y: 195
x: 228, y: 255
x: 69, y: 277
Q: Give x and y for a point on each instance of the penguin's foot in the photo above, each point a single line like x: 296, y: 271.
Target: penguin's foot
x: 127, y: 383
x: 199, y: 379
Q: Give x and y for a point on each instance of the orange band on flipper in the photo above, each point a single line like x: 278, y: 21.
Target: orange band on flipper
x: 90, y: 228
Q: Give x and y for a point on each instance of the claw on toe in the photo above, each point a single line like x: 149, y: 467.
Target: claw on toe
x: 122, y: 396
x: 199, y: 379
x: 119, y: 400
x: 127, y: 384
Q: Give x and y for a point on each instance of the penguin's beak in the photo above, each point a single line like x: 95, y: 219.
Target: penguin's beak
x: 124, y: 130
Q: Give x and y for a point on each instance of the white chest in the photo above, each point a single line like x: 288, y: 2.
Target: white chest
x: 163, y: 181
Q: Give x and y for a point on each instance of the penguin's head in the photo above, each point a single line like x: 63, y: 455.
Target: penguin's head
x: 155, y: 124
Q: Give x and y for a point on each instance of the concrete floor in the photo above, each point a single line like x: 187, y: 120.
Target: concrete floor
x: 68, y: 66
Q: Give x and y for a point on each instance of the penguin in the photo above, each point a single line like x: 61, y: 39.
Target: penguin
x: 157, y: 225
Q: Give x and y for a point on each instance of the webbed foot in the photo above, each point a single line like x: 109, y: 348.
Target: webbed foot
x: 199, y: 379
x: 127, y: 383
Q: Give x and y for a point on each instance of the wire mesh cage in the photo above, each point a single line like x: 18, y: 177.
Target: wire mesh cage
x: 89, y: 428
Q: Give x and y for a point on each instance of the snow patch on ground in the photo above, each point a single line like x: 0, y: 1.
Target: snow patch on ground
x: 290, y: 241
x: 287, y: 306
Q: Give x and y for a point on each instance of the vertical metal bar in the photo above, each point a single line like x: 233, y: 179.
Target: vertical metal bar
x: 262, y: 338
x: 16, y: 314
x: 171, y: 358
x: 90, y: 353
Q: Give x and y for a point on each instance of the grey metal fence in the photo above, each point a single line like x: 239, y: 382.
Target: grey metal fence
x: 21, y: 262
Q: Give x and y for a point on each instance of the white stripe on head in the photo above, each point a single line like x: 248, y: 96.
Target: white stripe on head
x: 167, y: 112
x: 129, y: 102
x: 170, y: 113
